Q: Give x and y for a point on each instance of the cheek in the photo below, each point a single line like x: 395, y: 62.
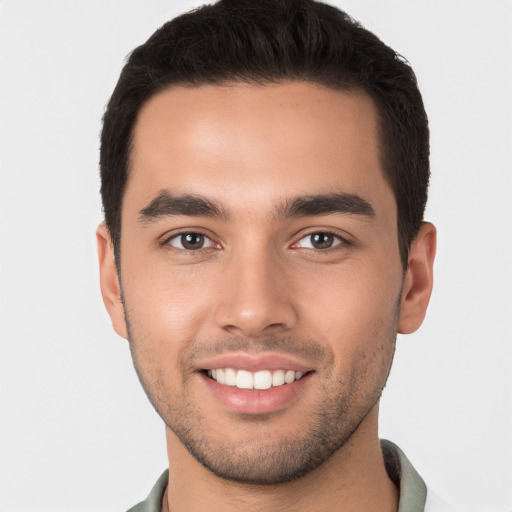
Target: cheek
x: 170, y: 299
x: 352, y: 298
x: 357, y: 316
x: 162, y: 316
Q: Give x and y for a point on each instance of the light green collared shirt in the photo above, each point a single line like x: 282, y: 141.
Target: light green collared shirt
x: 413, y: 491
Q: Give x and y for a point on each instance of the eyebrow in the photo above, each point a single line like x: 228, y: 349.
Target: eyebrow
x: 166, y: 204
x: 326, y: 204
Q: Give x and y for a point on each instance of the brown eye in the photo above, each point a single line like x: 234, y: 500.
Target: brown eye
x: 190, y: 241
x: 320, y: 240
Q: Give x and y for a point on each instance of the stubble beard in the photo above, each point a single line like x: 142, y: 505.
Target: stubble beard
x: 264, y: 459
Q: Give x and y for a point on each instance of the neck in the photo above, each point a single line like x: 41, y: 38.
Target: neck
x: 354, y: 479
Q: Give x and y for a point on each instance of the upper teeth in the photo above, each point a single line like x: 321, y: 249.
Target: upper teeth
x: 264, y: 379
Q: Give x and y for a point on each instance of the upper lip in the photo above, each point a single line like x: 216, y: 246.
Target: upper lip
x: 253, y: 362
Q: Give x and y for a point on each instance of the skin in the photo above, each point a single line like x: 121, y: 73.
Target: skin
x: 259, y: 286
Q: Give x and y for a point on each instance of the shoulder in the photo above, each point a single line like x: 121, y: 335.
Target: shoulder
x: 153, y: 502
x: 141, y: 507
x: 414, y: 494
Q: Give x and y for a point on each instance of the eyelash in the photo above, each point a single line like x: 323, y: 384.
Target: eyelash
x: 341, y: 241
x: 166, y: 242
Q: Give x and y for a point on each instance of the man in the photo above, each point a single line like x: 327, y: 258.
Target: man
x: 264, y: 176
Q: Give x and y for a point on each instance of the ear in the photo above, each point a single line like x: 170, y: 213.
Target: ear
x: 418, y: 281
x: 109, y: 281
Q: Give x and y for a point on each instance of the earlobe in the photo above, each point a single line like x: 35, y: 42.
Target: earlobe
x: 109, y: 281
x: 418, y: 280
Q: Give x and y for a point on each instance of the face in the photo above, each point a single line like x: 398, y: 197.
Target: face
x: 260, y: 273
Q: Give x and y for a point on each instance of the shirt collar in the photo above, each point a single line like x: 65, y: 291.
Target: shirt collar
x: 413, y: 491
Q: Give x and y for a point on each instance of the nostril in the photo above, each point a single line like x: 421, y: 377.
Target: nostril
x: 232, y: 329
x: 275, y: 327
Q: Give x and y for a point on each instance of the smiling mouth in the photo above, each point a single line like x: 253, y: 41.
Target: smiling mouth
x: 260, y: 380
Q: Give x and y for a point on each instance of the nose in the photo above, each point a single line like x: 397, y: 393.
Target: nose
x: 256, y: 296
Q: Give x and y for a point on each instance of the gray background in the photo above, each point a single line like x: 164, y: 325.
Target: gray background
x: 76, y: 431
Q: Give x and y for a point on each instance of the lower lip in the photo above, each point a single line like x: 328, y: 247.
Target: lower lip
x: 255, y: 401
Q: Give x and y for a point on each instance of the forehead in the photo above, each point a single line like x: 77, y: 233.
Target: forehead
x: 245, y: 143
